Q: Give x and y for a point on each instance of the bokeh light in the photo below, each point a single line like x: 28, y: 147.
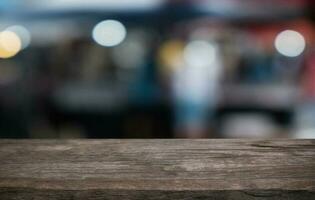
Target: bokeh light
x: 109, y: 33
x: 10, y: 44
x: 199, y: 53
x: 171, y: 55
x: 23, y: 34
x: 290, y: 43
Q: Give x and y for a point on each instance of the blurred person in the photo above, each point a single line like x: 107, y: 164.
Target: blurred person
x: 195, y: 85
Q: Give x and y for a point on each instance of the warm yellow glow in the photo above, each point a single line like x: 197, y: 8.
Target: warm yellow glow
x: 171, y: 54
x: 10, y: 44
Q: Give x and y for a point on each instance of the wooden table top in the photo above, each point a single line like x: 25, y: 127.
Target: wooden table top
x: 157, y: 169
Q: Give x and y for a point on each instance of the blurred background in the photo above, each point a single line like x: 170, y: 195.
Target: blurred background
x: 157, y: 69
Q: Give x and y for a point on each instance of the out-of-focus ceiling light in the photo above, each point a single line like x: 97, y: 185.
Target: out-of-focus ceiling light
x: 290, y: 43
x: 10, y: 44
x: 109, y: 33
x: 23, y: 34
x: 200, y: 54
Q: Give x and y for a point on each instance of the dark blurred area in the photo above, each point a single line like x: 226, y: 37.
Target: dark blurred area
x: 157, y: 69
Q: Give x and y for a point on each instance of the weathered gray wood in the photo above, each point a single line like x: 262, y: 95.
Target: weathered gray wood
x: 157, y: 169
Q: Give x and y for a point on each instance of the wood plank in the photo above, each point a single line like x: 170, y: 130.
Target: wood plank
x: 157, y: 169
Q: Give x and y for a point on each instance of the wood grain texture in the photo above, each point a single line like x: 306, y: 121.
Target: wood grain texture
x: 157, y: 169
